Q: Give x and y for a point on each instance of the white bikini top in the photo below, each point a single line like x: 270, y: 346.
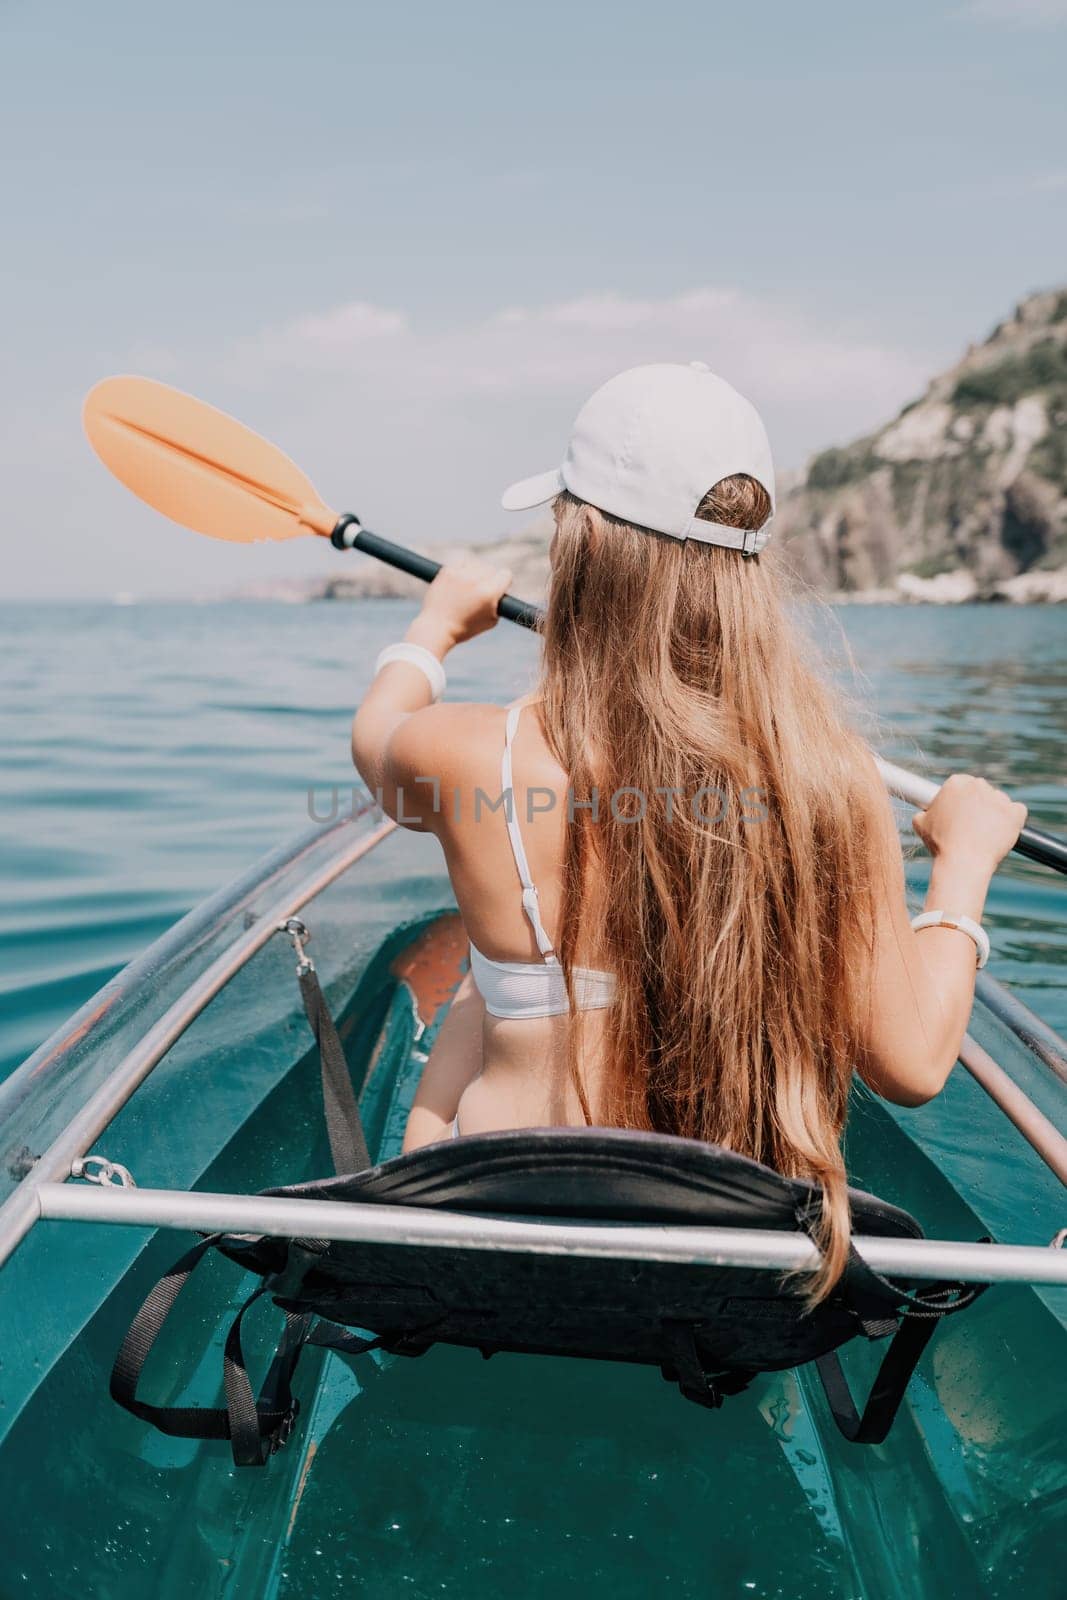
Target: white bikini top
x: 531, y: 988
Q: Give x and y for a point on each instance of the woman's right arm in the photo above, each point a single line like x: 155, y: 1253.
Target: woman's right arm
x: 401, y: 743
x: 923, y: 983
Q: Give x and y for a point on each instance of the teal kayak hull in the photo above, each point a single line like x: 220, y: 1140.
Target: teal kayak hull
x: 521, y: 1475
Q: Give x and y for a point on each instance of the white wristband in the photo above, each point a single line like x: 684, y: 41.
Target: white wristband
x: 952, y: 919
x: 415, y: 655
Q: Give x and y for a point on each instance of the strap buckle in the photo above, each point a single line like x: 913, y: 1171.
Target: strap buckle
x: 280, y: 1437
x: 685, y: 1368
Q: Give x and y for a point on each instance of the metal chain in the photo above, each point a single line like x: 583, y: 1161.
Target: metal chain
x: 98, y: 1169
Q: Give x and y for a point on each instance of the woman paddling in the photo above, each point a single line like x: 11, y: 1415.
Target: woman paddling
x: 676, y: 863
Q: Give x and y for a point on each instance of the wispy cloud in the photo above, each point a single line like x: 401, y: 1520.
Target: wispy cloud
x: 1049, y: 182
x: 1022, y: 13
x: 565, y: 345
x: 325, y: 338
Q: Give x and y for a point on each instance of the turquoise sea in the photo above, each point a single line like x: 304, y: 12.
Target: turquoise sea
x: 150, y: 752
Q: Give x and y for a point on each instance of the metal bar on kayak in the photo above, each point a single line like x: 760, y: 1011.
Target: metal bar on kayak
x: 1031, y: 1030
x: 362, y: 1223
x: 908, y: 786
x: 1041, y: 1134
x: 21, y: 1208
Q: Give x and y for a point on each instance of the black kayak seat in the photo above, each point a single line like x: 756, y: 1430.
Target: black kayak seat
x: 611, y: 1174
x: 709, y: 1329
x: 743, y: 1319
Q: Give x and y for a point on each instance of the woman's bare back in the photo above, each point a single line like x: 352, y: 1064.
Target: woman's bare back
x: 510, y: 1072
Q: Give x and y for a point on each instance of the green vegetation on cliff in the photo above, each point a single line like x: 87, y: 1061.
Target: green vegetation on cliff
x: 969, y: 480
x: 1043, y: 366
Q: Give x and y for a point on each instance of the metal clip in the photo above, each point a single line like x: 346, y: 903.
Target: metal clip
x: 1058, y: 1240
x: 281, y: 1436
x: 98, y: 1169
x: 301, y: 936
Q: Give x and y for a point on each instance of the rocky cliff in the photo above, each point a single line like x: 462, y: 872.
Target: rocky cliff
x: 964, y: 494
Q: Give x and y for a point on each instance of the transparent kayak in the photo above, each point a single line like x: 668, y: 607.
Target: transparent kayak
x: 195, y: 1070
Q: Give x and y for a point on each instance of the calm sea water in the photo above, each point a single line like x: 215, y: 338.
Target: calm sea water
x: 151, y: 752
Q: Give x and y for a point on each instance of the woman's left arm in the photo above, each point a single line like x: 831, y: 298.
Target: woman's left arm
x: 393, y: 730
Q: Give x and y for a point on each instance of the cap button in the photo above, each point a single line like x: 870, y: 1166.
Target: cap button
x: 700, y: 366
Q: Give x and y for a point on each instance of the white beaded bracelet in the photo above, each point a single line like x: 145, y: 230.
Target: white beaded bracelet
x: 952, y: 919
x: 415, y: 655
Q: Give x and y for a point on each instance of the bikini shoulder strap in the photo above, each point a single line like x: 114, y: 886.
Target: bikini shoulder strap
x: 530, y: 902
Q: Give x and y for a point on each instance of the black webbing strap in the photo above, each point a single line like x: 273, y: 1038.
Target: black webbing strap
x: 875, y: 1299
x: 255, y: 1428
x: 344, y: 1128
x: 252, y: 1427
x: 899, y: 1362
x: 331, y: 1336
x: 685, y: 1368
x: 865, y: 1285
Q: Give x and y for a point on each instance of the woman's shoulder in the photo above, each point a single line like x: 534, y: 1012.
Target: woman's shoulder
x: 440, y: 726
x: 445, y: 738
x: 460, y: 746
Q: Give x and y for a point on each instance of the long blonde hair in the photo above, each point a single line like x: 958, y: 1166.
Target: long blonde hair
x: 733, y: 835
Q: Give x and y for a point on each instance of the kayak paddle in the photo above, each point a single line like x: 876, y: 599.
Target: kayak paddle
x: 918, y: 792
x: 207, y: 471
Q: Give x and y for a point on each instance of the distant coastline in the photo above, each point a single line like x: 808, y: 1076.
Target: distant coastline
x: 529, y: 568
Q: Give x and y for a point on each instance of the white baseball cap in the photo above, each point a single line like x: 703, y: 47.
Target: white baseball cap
x: 650, y: 443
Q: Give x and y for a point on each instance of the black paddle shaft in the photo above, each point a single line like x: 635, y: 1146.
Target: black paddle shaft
x: 1043, y: 847
x: 395, y: 555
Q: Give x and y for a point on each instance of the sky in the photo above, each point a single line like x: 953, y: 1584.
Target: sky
x: 406, y: 241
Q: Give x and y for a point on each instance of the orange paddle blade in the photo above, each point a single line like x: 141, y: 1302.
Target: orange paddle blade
x: 198, y: 466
